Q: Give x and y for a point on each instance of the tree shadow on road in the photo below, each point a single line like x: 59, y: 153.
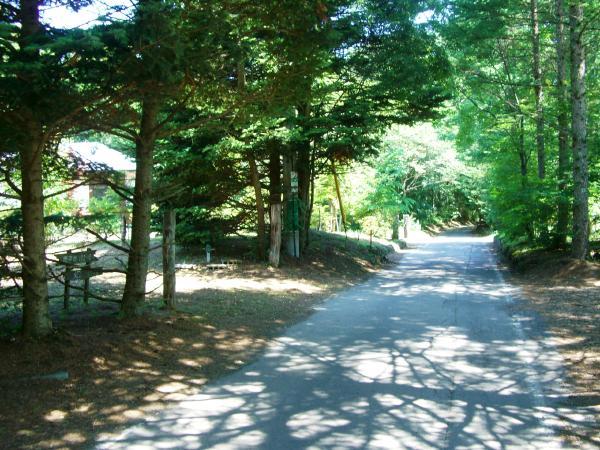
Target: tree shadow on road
x: 434, y: 360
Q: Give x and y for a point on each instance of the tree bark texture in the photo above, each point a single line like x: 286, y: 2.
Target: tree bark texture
x: 311, y: 205
x: 395, y: 227
x: 339, y: 194
x: 304, y: 182
x: 522, y: 151
x: 275, y: 189
x: 30, y: 21
x: 36, y: 316
x: 529, y: 227
x: 304, y: 167
x: 275, y: 247
x: 260, y: 208
x: 288, y: 235
x: 562, y: 223
x: 137, y: 264
x: 538, y: 89
x: 333, y: 216
x: 518, y: 114
x: 254, y: 176
x: 579, y: 130
x: 168, y: 257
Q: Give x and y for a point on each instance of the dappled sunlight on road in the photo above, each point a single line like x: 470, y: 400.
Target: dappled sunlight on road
x: 423, y: 356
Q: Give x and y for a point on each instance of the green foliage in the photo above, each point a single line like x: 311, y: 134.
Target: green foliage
x: 105, y: 213
x: 59, y: 212
x: 224, y: 80
x: 416, y: 173
x: 60, y: 204
x: 197, y: 226
x: 420, y: 175
x: 489, y: 43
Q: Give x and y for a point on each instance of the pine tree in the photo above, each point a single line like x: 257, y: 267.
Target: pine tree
x: 44, y: 93
x: 581, y: 221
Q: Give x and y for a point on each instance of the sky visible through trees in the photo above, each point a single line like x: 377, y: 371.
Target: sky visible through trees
x: 274, y: 117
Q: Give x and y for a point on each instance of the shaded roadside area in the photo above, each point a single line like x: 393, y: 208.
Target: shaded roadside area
x: 119, y: 372
x: 566, y: 294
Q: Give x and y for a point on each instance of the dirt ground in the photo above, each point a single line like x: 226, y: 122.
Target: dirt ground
x: 119, y: 371
x: 566, y: 294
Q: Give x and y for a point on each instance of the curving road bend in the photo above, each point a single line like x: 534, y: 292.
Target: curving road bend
x: 426, y: 355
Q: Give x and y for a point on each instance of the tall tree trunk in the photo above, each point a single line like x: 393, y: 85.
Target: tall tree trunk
x: 395, y: 227
x: 522, y: 151
x: 288, y: 234
x: 168, y: 257
x: 304, y: 177
x: 36, y: 317
x: 563, y: 127
x: 275, y: 203
x: 339, y: 194
x: 260, y: 208
x: 538, y: 89
x: 254, y: 175
x: 304, y: 169
x: 137, y: 264
x: 518, y: 113
x: 529, y: 227
x: 275, y: 247
x: 579, y: 130
x: 333, y: 216
x: 311, y: 204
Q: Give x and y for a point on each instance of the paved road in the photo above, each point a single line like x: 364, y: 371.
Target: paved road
x: 423, y: 356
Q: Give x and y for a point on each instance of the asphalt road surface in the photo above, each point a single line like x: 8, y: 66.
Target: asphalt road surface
x: 426, y: 355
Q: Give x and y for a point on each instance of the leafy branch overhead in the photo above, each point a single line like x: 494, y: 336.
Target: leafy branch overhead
x: 276, y: 116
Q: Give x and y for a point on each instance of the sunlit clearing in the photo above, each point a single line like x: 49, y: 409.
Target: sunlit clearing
x: 192, y: 284
x: 55, y: 416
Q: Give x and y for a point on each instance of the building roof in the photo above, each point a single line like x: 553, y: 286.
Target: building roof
x: 97, y: 153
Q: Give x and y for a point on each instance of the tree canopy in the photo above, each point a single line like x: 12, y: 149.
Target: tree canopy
x: 245, y: 116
